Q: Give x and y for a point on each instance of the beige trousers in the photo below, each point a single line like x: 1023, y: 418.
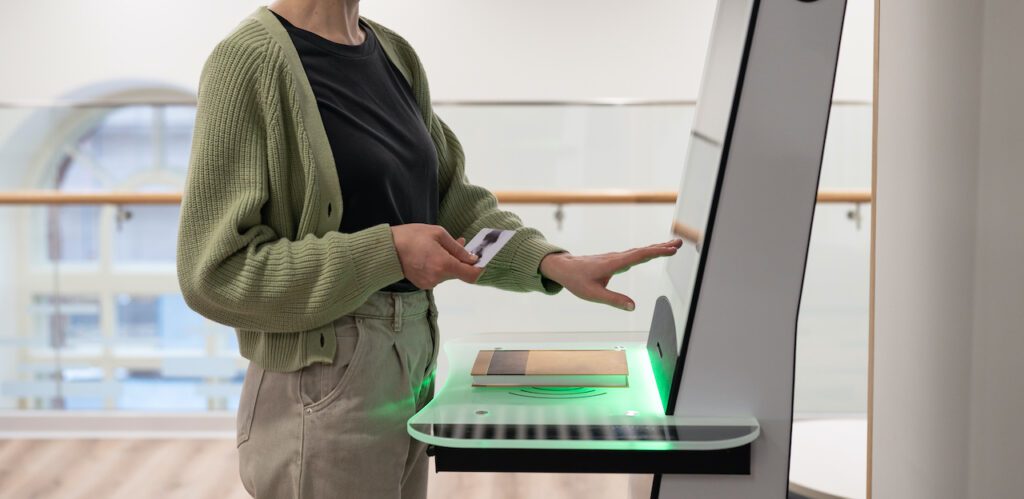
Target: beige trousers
x: 339, y: 430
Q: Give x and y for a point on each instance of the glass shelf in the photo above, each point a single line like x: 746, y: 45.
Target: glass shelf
x: 630, y: 418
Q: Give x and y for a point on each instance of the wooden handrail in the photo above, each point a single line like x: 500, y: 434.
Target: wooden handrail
x: 589, y: 196
x: 689, y: 233
x: 58, y: 197
x: 844, y: 196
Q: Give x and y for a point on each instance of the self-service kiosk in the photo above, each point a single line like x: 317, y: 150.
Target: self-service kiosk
x: 709, y: 405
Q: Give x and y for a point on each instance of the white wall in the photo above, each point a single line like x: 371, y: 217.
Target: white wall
x: 479, y: 49
x: 929, y: 77
x: 949, y: 281
x: 997, y: 383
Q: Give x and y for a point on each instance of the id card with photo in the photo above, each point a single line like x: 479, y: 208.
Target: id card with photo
x: 487, y: 243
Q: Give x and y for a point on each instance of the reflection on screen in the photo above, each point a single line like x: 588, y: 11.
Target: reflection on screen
x: 704, y: 156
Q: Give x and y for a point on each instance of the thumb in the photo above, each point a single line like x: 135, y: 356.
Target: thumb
x: 608, y: 297
x: 457, y: 250
x: 464, y: 272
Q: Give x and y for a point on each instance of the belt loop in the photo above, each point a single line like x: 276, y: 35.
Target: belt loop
x: 397, y: 321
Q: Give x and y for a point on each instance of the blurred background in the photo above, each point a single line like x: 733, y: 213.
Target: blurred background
x: 549, y: 98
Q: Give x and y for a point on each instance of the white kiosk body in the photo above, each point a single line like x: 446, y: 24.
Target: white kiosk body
x: 735, y: 293
x: 709, y: 399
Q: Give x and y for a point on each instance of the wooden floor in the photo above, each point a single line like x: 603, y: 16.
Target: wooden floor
x: 198, y: 469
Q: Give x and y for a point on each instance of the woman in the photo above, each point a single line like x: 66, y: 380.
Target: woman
x: 325, y: 200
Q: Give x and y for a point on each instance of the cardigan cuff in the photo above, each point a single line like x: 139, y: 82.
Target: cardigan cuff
x: 517, y: 266
x: 375, y: 257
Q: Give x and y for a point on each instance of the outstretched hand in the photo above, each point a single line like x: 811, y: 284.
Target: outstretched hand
x: 587, y: 276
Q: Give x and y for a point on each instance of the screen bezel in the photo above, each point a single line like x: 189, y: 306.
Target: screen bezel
x: 677, y: 377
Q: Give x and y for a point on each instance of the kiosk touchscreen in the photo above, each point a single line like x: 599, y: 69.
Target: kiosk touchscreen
x: 708, y: 401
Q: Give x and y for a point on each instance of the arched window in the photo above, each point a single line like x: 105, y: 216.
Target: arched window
x: 130, y: 148
x: 106, y: 312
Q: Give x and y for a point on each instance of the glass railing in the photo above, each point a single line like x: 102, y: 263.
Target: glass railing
x: 93, y: 318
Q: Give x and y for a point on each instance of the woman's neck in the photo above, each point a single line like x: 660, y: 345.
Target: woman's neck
x: 335, y: 20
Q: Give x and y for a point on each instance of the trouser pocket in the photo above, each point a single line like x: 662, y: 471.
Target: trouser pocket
x: 435, y: 339
x: 247, y: 402
x: 320, y: 383
x: 355, y: 440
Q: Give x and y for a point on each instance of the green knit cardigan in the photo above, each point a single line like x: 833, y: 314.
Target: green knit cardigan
x: 258, y: 242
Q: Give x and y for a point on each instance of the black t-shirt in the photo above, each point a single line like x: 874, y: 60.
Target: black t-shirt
x: 386, y: 161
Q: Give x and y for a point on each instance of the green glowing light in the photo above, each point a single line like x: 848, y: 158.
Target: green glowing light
x: 512, y: 409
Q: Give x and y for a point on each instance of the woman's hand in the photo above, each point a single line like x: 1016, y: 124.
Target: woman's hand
x: 587, y: 276
x: 430, y: 256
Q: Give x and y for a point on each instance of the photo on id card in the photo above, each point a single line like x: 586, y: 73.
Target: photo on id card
x: 487, y: 243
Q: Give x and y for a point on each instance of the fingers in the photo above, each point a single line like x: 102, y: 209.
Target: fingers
x: 674, y: 243
x: 462, y: 271
x: 606, y: 296
x: 640, y: 255
x: 456, y: 249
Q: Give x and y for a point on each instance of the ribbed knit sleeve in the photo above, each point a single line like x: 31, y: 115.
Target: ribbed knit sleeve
x: 467, y: 208
x: 233, y: 267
